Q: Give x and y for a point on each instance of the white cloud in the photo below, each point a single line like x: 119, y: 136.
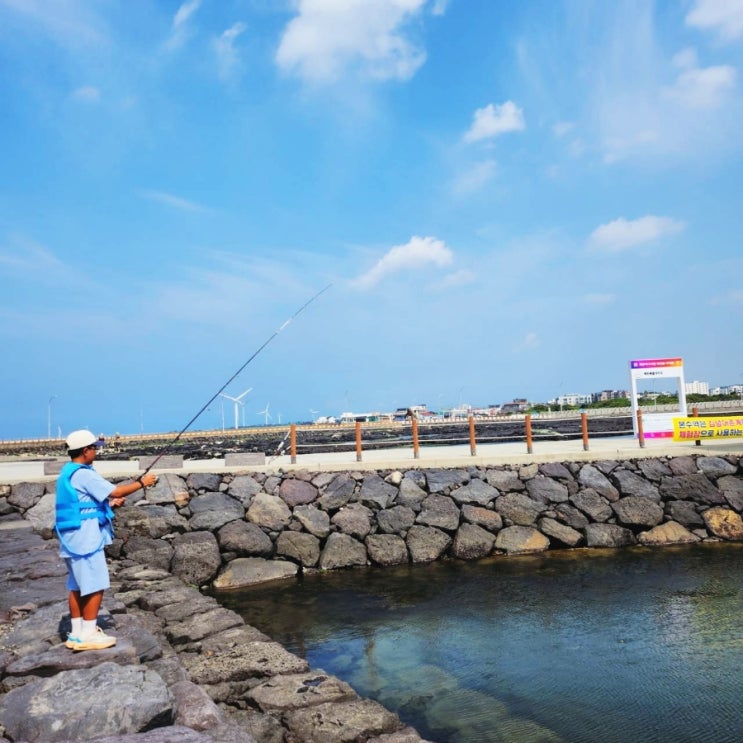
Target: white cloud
x: 329, y: 36
x: 458, y: 278
x: 87, y: 94
x: 494, y: 120
x: 529, y: 342
x: 175, y: 201
x: 599, y: 299
x: 181, y: 31
x: 622, y: 234
x: 439, y: 7
x: 417, y: 253
x: 475, y: 178
x: 723, y: 16
x: 702, y: 88
x: 227, y: 57
x: 561, y: 128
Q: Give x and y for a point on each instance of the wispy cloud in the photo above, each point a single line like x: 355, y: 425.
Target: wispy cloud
x: 700, y: 88
x: 463, y: 277
x: 475, y: 178
x: 169, y: 199
x: 181, y: 22
x: 228, y: 59
x: 328, y: 38
x: 87, y: 94
x: 415, y: 254
x: 723, y: 16
x: 528, y: 343
x: 622, y: 234
x: 494, y: 120
x: 599, y: 300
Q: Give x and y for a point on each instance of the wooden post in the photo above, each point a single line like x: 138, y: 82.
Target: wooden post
x: 640, y: 432
x: 584, y: 430
x: 527, y: 424
x: 293, y: 442
x: 473, y: 443
x: 416, y: 448
x: 358, y: 441
x: 695, y: 413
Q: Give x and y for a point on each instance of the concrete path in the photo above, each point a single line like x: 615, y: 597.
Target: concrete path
x: 615, y: 447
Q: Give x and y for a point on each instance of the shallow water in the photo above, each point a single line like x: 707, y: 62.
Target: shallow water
x: 610, y: 645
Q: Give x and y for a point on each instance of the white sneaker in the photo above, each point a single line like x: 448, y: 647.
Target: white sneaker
x: 98, y: 640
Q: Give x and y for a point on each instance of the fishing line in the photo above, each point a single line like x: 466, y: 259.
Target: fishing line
x: 232, y: 378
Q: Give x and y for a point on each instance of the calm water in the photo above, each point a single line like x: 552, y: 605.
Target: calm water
x: 628, y: 645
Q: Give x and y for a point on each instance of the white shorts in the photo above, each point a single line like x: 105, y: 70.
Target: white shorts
x: 87, y: 574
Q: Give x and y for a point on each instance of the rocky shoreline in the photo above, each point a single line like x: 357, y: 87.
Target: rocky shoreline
x: 198, y: 665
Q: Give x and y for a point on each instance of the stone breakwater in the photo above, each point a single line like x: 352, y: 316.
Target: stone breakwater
x: 184, y: 662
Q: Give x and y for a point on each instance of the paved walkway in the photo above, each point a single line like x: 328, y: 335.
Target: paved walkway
x: 615, y: 447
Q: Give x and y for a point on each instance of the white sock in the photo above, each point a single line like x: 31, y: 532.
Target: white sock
x: 89, y: 626
x: 77, y: 626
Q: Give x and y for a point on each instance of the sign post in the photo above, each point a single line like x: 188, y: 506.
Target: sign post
x: 657, y: 425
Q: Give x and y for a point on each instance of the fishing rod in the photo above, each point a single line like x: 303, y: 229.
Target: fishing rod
x: 232, y: 378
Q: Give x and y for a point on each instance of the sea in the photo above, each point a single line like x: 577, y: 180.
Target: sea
x: 578, y: 646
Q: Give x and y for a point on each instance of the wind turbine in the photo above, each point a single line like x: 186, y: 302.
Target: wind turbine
x: 238, y: 401
x: 265, y: 413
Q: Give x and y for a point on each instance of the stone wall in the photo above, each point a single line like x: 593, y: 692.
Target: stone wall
x: 233, y: 530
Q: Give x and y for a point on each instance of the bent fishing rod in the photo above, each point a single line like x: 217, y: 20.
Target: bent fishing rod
x: 185, y: 428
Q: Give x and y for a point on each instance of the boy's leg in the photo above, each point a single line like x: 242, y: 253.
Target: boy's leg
x: 90, y: 605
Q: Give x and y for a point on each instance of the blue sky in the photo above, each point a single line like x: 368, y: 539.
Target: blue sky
x: 509, y: 199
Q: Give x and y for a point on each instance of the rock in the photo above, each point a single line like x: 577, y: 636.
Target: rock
x: 354, y: 520
x: 386, y: 549
x: 203, y: 481
x: 590, y: 477
x: 246, y: 571
x: 303, y: 548
x: 337, y: 493
x: 342, y: 551
x: 724, y: 523
x: 294, y: 691
x: 195, y: 709
x: 297, y: 492
x: 695, y: 487
x: 396, y: 519
x: 632, y: 484
x: 635, y: 510
x: 196, y: 557
x: 715, y: 467
x: 556, y: 470
x: 571, y: 515
x: 244, y: 539
x: 199, y: 626
x: 410, y: 494
x: 64, y: 707
x: 191, y: 602
x: 269, y: 511
x: 596, y: 507
x: 654, y: 469
x: 213, y: 510
x: 476, y: 491
x: 155, y: 553
x: 685, y: 512
x: 520, y: 540
x: 354, y: 720
x: 732, y: 490
x: 426, y: 544
x: 504, y: 480
x: 25, y: 495
x: 376, y: 493
x: 244, y: 487
x: 544, y: 490
x: 41, y: 516
x: 518, y: 508
x: 439, y: 481
x: 608, y: 535
x: 240, y: 663
x: 472, y: 542
x: 314, y: 520
x: 439, y: 511
x: 560, y: 532
x: 170, y: 488
x: 682, y: 466
x: 394, y: 478
x: 670, y: 532
x: 490, y: 520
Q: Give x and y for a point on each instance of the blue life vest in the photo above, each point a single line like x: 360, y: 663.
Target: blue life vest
x: 69, y: 513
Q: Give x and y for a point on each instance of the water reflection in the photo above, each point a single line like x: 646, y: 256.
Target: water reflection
x: 640, y: 644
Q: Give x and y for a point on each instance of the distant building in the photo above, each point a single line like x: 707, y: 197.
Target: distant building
x: 606, y: 395
x: 697, y: 388
x: 573, y: 399
x: 519, y: 405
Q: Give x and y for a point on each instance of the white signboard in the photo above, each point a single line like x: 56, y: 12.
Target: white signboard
x: 657, y: 425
